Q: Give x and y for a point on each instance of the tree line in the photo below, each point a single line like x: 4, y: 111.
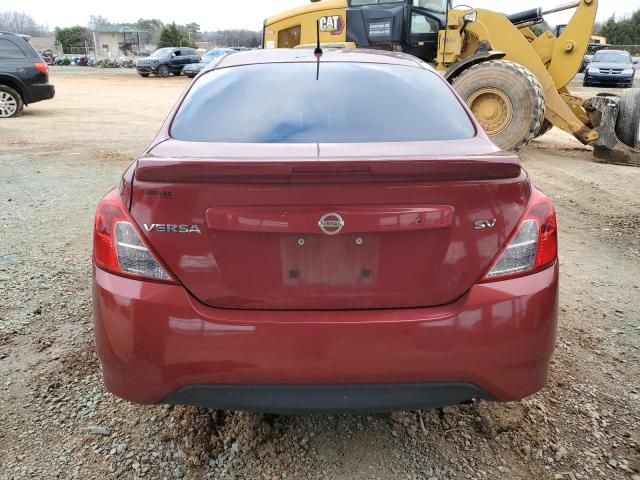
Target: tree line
x: 163, y: 35
x: 625, y: 31
x: 156, y: 32
x: 20, y: 22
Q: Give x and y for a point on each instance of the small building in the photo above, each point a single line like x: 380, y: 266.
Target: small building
x: 115, y: 40
x: 42, y: 44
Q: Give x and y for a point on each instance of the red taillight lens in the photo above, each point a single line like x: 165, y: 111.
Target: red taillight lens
x: 118, y: 246
x: 533, y: 246
x: 42, y: 67
x: 548, y: 236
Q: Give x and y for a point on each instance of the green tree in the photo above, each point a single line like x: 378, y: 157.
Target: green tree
x: 152, y: 26
x: 148, y: 24
x: 174, y: 36
x: 193, y: 30
x: 625, y: 31
x: 70, y: 37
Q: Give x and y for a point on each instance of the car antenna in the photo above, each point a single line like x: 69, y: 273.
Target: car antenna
x: 318, y: 51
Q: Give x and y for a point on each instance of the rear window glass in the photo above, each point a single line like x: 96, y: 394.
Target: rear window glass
x: 351, y: 102
x: 9, y: 50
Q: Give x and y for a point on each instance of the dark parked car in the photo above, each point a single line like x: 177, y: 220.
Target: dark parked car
x: 292, y: 240
x: 167, y: 61
x: 610, y: 67
x: 194, y: 69
x: 24, y: 76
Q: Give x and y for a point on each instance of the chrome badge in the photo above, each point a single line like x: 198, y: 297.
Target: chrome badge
x: 331, y: 224
x: 482, y: 224
x: 167, y: 228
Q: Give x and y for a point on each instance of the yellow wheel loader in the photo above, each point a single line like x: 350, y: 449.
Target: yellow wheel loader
x: 514, y: 81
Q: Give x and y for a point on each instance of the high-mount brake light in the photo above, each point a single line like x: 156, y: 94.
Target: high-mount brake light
x: 118, y: 246
x: 534, y: 246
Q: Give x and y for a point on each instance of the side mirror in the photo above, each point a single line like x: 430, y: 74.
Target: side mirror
x: 636, y: 62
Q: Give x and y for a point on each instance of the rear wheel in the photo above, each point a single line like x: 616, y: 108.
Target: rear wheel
x: 507, y: 100
x: 163, y: 71
x: 11, y: 103
x: 628, y: 124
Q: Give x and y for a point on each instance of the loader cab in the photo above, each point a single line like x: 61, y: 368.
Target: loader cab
x: 411, y: 26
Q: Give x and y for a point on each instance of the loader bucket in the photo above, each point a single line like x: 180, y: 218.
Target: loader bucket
x: 608, y: 117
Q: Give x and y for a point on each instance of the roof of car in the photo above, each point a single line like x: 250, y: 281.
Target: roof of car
x: 300, y: 55
x: 607, y: 50
x: 19, y: 35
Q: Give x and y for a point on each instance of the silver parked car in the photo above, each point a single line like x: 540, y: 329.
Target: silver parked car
x: 194, y: 69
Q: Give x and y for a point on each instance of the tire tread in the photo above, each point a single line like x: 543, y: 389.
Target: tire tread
x: 532, y: 84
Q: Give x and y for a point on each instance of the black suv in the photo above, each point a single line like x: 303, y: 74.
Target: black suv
x: 167, y: 60
x: 24, y: 76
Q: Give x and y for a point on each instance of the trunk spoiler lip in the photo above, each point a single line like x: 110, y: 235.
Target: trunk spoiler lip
x: 183, y: 170
x: 166, y: 147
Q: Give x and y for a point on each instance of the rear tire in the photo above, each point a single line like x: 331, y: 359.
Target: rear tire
x: 11, y: 104
x: 506, y: 98
x: 163, y: 71
x: 628, y: 124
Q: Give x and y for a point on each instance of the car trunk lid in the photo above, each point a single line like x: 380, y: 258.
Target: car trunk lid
x: 327, y: 226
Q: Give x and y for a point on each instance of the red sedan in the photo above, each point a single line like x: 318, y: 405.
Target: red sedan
x: 324, y: 235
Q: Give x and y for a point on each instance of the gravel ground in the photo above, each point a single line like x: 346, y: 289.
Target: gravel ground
x: 58, y: 422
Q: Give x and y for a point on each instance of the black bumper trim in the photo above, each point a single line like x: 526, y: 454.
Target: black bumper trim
x: 377, y: 398
x: 39, y: 92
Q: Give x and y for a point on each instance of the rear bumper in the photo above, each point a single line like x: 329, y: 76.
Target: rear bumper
x: 326, y: 398
x: 40, y: 92
x: 158, y: 344
x: 191, y: 71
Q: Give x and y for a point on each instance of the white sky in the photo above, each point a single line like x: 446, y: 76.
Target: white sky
x: 221, y: 14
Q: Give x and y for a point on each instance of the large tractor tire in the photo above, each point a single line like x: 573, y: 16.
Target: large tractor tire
x: 506, y: 98
x: 628, y: 124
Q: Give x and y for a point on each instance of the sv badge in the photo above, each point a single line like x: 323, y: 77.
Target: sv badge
x: 483, y: 224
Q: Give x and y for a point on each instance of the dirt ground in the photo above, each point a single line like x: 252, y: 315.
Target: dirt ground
x: 56, y: 420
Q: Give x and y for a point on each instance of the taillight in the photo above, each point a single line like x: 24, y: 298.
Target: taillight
x: 534, y: 246
x: 42, y: 67
x: 118, y: 246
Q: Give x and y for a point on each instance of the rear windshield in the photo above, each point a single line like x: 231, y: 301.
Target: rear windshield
x: 350, y: 102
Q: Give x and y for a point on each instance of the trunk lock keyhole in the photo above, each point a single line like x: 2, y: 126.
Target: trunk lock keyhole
x: 301, y: 242
x: 359, y: 241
